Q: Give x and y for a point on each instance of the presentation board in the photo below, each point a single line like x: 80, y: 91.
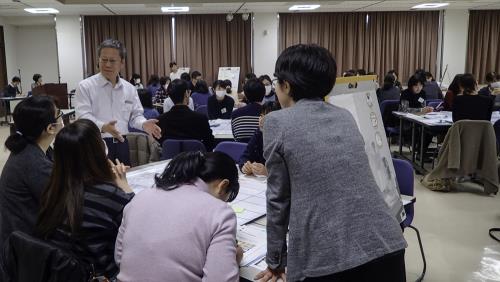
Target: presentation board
x: 231, y: 73
x: 358, y: 96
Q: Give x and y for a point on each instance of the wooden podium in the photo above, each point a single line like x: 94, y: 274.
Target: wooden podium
x: 58, y: 91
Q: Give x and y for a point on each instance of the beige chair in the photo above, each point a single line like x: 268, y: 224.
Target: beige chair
x: 469, y: 149
x: 143, y: 149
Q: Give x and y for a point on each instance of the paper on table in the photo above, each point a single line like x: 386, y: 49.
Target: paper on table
x: 250, y: 203
x: 252, y: 239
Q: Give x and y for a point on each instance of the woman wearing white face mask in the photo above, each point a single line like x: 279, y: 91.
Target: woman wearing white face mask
x: 162, y: 94
x: 270, y: 94
x: 136, y: 81
x: 220, y: 105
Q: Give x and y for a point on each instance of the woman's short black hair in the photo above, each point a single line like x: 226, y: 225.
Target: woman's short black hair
x: 177, y: 90
x: 154, y: 79
x: 265, y: 77
x: 393, y: 72
x: 31, y: 118
x: 185, y: 76
x: 228, y: 83
x: 218, y: 83
x: 468, y: 83
x: 186, y: 167
x: 16, y: 79
x: 309, y: 69
x: 136, y: 76
x: 491, y: 77
x: 201, y: 86
x: 172, y: 64
x: 195, y: 74
x: 145, y: 98
x: 454, y: 85
x: 254, y: 90
x: 250, y: 75
x: 36, y: 77
x: 389, y: 81
x: 414, y: 80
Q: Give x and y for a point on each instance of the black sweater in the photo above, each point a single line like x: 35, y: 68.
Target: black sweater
x: 474, y: 107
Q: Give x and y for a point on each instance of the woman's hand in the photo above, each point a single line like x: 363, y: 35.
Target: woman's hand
x: 427, y: 110
x: 247, y: 168
x: 239, y: 254
x: 119, y: 172
x: 271, y: 275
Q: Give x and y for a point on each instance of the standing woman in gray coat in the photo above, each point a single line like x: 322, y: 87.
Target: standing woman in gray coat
x: 320, y: 187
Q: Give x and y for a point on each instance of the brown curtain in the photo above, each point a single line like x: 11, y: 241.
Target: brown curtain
x: 207, y: 42
x: 147, y: 38
x: 341, y: 33
x: 404, y: 41
x: 378, y: 41
x: 483, y: 47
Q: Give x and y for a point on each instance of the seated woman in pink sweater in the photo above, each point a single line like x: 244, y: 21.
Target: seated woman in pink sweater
x: 183, y: 230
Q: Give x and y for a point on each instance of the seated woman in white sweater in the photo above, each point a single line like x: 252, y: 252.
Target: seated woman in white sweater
x: 183, y: 230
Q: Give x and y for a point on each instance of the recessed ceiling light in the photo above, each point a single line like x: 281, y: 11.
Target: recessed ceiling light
x: 430, y: 5
x: 41, y: 10
x: 303, y: 7
x: 174, y: 9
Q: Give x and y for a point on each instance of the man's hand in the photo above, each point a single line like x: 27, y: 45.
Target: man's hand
x: 247, y: 168
x: 111, y: 129
x: 271, y: 275
x: 151, y: 128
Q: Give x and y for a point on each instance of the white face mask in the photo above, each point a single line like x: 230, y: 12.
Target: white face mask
x: 220, y: 93
x: 268, y: 89
x: 166, y: 86
x: 495, y: 84
x: 137, y: 80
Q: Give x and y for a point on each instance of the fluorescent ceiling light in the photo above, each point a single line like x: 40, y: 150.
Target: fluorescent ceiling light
x: 174, y: 9
x: 430, y: 5
x: 303, y: 7
x: 41, y: 10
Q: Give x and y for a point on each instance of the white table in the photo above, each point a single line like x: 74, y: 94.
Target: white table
x: 141, y: 178
x: 441, y: 119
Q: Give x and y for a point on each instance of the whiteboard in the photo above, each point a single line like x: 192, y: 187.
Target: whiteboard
x: 362, y: 103
x: 231, y: 73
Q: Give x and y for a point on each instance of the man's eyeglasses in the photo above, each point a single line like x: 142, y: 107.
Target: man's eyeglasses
x: 59, y: 115
x: 106, y: 61
x: 274, y: 83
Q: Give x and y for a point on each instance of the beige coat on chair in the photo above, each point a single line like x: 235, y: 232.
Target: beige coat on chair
x: 143, y: 149
x: 468, y: 148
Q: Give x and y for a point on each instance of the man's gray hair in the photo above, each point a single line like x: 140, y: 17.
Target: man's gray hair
x: 115, y: 44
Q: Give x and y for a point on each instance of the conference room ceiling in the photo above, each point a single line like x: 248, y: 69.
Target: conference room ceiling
x: 12, y: 11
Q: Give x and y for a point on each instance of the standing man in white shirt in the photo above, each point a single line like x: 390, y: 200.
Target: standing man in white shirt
x: 174, y: 71
x: 112, y: 103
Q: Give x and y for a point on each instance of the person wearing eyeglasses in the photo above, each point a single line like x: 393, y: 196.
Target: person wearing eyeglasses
x: 28, y: 168
x: 320, y: 188
x: 81, y: 208
x: 112, y: 103
x: 183, y: 229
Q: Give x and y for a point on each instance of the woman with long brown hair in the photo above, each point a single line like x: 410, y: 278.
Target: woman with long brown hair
x: 81, y: 209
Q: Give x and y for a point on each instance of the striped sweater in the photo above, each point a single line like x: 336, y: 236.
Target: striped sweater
x: 245, y: 121
x: 102, y: 215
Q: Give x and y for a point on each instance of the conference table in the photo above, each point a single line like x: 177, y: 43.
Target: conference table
x: 251, y: 230
x: 435, y: 121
